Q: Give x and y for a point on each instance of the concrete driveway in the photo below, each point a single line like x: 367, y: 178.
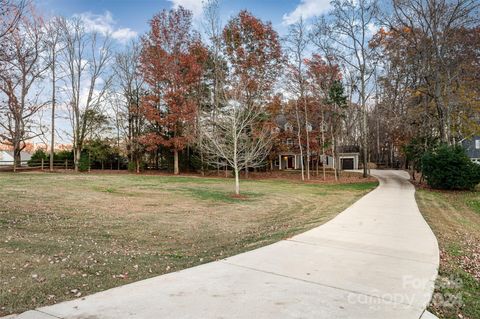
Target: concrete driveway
x: 376, y: 259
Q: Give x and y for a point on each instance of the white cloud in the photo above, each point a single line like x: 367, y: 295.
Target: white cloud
x: 105, y: 24
x: 124, y: 34
x: 306, y: 9
x: 372, y: 28
x: 196, y: 6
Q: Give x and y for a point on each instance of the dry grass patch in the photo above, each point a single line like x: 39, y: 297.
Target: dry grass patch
x: 65, y: 235
x: 455, y: 220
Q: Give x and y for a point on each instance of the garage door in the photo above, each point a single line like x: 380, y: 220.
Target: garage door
x: 347, y: 163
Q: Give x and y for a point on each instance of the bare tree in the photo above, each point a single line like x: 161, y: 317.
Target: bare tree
x: 240, y: 138
x: 86, y: 61
x: 131, y: 84
x: 18, y: 83
x: 53, y: 47
x: 297, y: 42
x: 120, y: 116
x: 349, y: 33
x: 213, y: 30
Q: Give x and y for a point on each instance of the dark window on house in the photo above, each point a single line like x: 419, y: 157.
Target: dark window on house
x: 289, y: 141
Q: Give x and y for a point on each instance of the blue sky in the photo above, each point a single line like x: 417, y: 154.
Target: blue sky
x: 129, y: 17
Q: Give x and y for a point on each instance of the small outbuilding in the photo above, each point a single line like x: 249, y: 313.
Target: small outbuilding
x: 6, y: 158
x: 348, y: 161
x: 472, y: 147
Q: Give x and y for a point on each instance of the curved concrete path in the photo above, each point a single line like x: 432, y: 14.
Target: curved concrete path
x: 377, y: 259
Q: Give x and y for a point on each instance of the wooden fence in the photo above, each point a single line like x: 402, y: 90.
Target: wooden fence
x: 35, y: 165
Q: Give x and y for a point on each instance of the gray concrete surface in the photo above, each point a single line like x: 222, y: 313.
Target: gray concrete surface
x: 428, y: 315
x: 376, y: 259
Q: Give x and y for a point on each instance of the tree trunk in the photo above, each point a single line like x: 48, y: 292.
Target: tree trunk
x: 237, y: 182
x: 77, y: 154
x: 334, y: 156
x: 202, y: 163
x: 176, y: 170
x: 52, y: 142
x: 299, y: 137
x: 378, y: 141
x: 324, y: 169
x: 323, y: 145
x: 17, y: 157
x: 365, y: 133
x: 307, y: 137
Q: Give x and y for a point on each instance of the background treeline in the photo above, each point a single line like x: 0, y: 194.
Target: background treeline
x: 396, y: 80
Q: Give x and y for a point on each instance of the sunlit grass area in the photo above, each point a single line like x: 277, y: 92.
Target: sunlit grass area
x: 64, y: 236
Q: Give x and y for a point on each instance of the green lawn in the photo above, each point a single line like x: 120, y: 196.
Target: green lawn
x: 455, y: 220
x: 66, y: 235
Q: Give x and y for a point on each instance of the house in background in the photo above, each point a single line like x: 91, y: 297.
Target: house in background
x: 472, y: 147
x: 6, y: 158
x: 287, y: 155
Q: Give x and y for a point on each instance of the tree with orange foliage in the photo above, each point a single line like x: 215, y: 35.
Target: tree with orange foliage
x: 171, y: 64
x: 254, y: 54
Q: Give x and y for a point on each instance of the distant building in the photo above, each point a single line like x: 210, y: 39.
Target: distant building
x: 6, y: 158
x: 287, y: 155
x: 472, y: 147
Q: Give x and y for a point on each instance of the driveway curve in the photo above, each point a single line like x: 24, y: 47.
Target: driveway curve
x: 376, y: 259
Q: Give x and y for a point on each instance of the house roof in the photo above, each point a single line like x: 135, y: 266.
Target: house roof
x: 348, y: 149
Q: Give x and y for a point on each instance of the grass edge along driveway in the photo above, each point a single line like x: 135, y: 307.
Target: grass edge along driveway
x: 455, y: 220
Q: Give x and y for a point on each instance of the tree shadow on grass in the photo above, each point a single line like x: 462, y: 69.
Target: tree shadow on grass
x: 219, y: 195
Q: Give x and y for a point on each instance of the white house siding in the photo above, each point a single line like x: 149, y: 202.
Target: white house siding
x: 5, y: 158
